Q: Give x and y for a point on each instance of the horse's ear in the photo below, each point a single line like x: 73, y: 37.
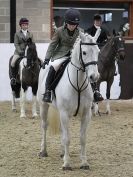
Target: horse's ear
x: 97, y: 34
x: 29, y: 40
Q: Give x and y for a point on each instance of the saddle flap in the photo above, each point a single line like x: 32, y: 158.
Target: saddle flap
x: 59, y: 74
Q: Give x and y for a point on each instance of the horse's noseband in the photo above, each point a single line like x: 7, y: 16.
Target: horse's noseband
x: 84, y: 65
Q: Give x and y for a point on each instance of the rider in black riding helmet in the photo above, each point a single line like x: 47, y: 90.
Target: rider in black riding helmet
x: 20, y: 41
x: 102, y: 39
x: 60, y: 46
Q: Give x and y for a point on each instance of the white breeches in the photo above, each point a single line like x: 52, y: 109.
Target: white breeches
x: 14, y: 59
x: 57, y: 63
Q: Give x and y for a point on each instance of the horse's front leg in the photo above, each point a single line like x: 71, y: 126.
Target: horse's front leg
x: 83, y: 132
x: 95, y: 105
x: 65, y: 139
x: 34, y: 101
x: 108, y: 111
x: 13, y: 101
x: 43, y: 114
x: 22, y: 103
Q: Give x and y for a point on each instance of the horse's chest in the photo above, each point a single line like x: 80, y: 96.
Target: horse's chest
x: 29, y: 77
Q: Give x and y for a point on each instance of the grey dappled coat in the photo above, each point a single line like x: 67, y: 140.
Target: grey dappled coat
x: 61, y: 43
x: 20, y: 41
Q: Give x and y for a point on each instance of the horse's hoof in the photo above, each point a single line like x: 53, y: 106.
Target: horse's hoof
x: 34, y: 116
x: 108, y: 112
x: 67, y: 168
x: 14, y: 110
x: 23, y: 116
x: 85, y: 167
x: 43, y: 154
x: 62, y: 155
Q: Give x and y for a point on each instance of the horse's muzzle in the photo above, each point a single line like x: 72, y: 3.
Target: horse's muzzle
x: 94, y: 77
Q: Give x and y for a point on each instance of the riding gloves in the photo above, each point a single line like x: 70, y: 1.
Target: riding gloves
x: 46, y: 62
x: 21, y: 54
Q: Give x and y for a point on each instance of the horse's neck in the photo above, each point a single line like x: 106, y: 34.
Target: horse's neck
x: 75, y: 67
x: 108, y: 53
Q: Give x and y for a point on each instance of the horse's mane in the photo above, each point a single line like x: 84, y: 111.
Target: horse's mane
x: 32, y: 52
x: 106, y: 46
x: 77, y: 40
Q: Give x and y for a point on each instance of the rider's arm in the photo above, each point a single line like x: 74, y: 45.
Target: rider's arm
x: 17, y: 44
x: 32, y: 38
x: 53, y: 44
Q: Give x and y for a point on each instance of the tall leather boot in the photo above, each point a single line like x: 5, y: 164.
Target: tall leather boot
x: 97, y: 95
x: 13, y: 75
x: 49, y: 80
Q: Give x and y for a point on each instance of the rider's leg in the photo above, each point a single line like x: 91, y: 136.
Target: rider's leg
x: 13, y: 69
x: 97, y: 95
x: 49, y: 80
x: 55, y: 65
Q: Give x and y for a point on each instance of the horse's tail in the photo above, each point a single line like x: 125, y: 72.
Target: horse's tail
x: 53, y: 121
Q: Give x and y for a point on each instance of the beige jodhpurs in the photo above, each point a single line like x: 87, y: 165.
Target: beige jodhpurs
x: 57, y: 63
x: 14, y: 59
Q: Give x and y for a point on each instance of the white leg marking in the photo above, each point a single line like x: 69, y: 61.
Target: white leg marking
x: 34, y: 111
x: 22, y: 103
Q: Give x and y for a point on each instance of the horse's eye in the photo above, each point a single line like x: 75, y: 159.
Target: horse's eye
x: 84, y: 53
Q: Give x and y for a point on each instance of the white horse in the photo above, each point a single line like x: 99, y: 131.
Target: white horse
x: 73, y: 95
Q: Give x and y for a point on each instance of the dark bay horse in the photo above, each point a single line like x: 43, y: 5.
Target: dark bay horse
x: 26, y: 76
x: 113, y: 50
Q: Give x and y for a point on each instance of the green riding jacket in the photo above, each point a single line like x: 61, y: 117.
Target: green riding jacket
x: 20, y: 41
x: 61, y: 43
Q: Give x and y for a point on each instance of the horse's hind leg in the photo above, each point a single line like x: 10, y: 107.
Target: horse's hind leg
x: 43, y: 114
x: 108, y: 111
x: 22, y: 103
x: 83, y: 131
x: 65, y: 139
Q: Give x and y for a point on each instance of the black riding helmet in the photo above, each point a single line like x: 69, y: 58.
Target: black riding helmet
x: 97, y: 17
x: 72, y: 16
x: 23, y: 21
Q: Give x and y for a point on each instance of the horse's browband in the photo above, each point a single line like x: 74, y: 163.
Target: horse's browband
x: 84, y: 43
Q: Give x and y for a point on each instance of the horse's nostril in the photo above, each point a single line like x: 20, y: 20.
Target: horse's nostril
x: 91, y: 77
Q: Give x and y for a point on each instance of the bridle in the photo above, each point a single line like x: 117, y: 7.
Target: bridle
x: 83, y: 69
x: 84, y: 65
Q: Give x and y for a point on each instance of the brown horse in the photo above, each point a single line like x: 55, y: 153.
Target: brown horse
x: 113, y: 50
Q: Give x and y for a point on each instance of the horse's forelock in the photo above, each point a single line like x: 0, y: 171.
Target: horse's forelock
x: 31, y: 52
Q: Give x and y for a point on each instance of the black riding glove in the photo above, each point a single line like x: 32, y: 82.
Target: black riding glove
x: 21, y: 54
x: 46, y: 62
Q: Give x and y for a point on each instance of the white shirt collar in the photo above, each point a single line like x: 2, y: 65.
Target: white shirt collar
x: 24, y: 32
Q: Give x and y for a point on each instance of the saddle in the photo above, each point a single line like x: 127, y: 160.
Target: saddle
x: 59, y: 74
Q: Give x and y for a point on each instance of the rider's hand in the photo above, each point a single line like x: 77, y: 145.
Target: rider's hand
x: 21, y: 54
x: 46, y: 62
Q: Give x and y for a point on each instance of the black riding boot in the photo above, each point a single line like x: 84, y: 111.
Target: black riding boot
x: 97, y: 95
x: 13, y: 75
x: 49, y: 80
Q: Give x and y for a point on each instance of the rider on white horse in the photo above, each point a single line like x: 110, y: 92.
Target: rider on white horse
x: 20, y: 42
x: 60, y: 48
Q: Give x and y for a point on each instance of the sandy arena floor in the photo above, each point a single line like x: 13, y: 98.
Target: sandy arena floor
x: 109, y: 145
